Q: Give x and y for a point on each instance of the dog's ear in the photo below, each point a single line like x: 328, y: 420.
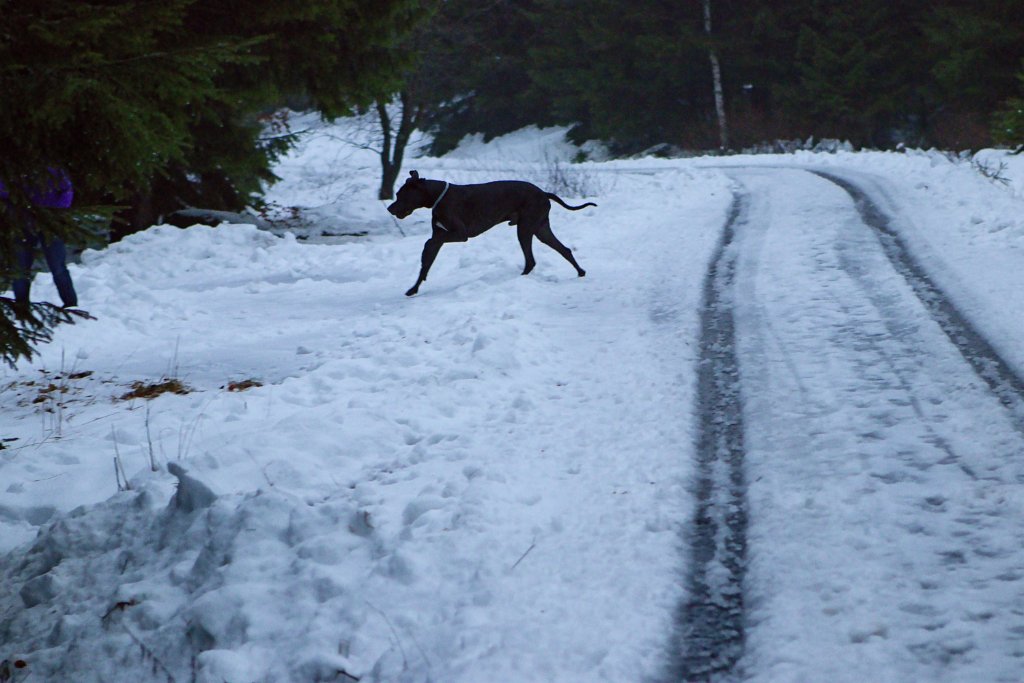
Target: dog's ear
x: 415, y: 175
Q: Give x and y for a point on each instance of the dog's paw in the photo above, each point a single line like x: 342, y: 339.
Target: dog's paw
x: 412, y: 292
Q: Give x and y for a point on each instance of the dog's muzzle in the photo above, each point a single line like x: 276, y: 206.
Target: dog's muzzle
x: 397, y: 211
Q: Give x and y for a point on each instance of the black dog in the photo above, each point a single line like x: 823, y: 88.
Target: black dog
x: 464, y: 211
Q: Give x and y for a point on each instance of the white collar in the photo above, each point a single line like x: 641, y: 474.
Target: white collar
x: 441, y: 196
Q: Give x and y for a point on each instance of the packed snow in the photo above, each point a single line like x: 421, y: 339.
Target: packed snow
x: 494, y: 480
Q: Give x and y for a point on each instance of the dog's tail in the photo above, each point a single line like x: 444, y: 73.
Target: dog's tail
x: 571, y: 208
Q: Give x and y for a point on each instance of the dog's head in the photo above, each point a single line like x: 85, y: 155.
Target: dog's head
x: 414, y: 194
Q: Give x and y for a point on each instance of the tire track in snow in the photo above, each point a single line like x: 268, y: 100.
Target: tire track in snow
x: 709, y: 627
x: 975, y: 349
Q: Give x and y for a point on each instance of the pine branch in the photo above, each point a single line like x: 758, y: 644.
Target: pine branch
x: 25, y: 326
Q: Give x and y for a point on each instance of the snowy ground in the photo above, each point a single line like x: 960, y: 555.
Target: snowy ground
x: 495, y: 480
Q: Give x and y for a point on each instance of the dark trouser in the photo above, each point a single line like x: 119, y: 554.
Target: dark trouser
x: 56, y: 260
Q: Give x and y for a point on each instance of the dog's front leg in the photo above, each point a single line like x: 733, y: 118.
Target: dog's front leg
x: 430, y: 249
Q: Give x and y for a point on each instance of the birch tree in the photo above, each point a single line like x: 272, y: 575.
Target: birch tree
x: 716, y: 75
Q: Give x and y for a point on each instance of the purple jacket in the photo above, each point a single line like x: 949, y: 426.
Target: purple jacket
x: 58, y: 193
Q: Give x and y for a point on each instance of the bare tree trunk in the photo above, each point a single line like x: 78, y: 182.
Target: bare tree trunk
x: 394, y: 142
x: 716, y: 74
x: 388, y: 174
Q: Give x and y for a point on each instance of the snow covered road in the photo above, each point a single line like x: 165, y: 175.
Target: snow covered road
x: 746, y: 402
x: 884, y: 536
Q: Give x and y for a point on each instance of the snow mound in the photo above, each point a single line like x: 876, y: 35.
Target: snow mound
x: 531, y: 144
x: 219, y: 586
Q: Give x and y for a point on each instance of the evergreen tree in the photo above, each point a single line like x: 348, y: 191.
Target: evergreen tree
x: 1008, y: 128
x: 98, y: 88
x: 760, y: 52
x: 975, y: 48
x: 476, y: 65
x: 630, y: 74
x: 858, y: 70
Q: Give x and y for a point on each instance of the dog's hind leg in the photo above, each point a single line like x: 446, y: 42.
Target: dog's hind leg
x: 545, y: 235
x: 526, y: 242
x: 430, y: 249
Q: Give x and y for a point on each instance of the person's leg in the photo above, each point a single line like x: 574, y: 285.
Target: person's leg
x: 56, y: 259
x: 23, y: 279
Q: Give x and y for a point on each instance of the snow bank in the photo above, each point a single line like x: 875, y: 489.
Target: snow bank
x: 222, y: 586
x: 1007, y: 167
